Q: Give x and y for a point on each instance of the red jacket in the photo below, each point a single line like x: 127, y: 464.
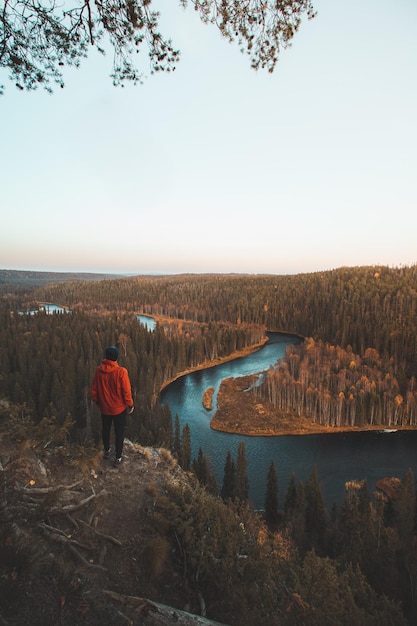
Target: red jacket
x: 111, y: 389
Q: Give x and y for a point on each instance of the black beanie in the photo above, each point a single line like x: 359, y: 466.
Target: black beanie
x: 112, y: 353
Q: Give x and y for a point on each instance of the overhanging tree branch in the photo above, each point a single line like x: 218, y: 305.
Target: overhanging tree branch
x: 39, y: 38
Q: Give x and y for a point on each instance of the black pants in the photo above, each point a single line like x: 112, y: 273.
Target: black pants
x: 119, y: 422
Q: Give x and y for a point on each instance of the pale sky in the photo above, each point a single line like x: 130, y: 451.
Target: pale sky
x: 217, y: 168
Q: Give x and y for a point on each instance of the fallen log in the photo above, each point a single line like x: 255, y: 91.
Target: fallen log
x: 156, y: 614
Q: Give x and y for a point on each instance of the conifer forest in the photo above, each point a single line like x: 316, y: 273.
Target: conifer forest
x: 356, y: 365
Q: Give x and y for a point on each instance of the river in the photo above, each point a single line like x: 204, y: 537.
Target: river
x: 339, y: 457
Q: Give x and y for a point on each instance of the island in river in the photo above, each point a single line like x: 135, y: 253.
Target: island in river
x: 242, y: 412
x: 208, y: 398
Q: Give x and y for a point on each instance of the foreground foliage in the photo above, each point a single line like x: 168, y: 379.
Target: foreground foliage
x: 358, y: 366
x: 83, y: 544
x: 37, y: 39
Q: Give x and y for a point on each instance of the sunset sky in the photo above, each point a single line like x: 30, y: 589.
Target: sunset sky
x: 216, y: 168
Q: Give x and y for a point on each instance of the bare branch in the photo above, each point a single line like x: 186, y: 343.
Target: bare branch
x: 53, y: 489
x: 108, y: 537
x: 70, y: 508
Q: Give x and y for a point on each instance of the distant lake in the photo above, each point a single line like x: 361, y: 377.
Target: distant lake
x: 339, y: 457
x: 148, y: 322
x: 48, y: 307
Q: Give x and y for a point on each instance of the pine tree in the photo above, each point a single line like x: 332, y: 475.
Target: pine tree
x: 406, y: 508
x: 205, y: 477
x: 242, y: 483
x: 290, y: 499
x: 271, y: 498
x: 405, y: 521
x: 229, y: 478
x: 185, y: 454
x: 177, y: 436
x: 315, y: 512
x: 200, y: 468
x: 351, y: 526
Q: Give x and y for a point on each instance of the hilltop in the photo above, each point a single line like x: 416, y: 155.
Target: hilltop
x: 83, y: 543
x: 78, y: 539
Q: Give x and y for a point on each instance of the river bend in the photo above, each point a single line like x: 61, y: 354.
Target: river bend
x: 339, y: 457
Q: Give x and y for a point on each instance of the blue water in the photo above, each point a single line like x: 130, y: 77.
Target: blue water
x: 339, y: 457
x: 49, y: 309
x: 148, y: 322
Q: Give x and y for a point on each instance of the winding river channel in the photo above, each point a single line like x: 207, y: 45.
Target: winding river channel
x: 339, y: 456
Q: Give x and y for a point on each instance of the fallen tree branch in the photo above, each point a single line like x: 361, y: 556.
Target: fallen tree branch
x: 52, y: 529
x: 27, y: 498
x: 70, y: 508
x: 74, y: 550
x: 72, y: 521
x: 125, y: 618
x: 42, y: 490
x: 61, y: 537
x: 159, y: 614
x: 134, y: 602
x: 102, y: 555
x: 108, y: 537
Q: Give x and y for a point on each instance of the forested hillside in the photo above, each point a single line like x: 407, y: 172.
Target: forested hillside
x: 364, y: 307
x: 368, y: 314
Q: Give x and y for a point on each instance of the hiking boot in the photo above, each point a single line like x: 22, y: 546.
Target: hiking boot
x: 107, y: 453
x: 117, y: 461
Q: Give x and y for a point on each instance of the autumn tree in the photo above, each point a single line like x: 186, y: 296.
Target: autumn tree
x: 38, y: 39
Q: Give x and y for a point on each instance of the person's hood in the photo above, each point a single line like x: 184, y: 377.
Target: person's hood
x: 108, y: 366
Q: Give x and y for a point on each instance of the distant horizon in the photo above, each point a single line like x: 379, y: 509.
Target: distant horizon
x: 197, y: 273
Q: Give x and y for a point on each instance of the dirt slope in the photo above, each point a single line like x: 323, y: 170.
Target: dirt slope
x: 77, y: 541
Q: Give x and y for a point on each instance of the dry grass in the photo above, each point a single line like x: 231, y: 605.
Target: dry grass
x: 167, y: 457
x: 152, y: 489
x: 155, y: 556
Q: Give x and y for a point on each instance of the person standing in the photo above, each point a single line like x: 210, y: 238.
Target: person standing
x: 111, y: 391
